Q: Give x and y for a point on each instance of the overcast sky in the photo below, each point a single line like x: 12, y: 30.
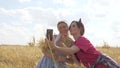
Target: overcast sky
x: 22, y: 19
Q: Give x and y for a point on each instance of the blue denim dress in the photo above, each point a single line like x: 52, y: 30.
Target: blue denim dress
x: 47, y: 62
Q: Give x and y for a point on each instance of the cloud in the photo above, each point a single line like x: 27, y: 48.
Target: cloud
x: 44, y: 16
x: 17, y: 15
x: 24, y: 1
x: 66, y: 2
x: 11, y: 34
x: 24, y: 23
x: 101, y: 18
x: 25, y: 17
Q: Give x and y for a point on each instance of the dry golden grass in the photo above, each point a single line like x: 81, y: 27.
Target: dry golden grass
x: 28, y: 57
x: 19, y: 56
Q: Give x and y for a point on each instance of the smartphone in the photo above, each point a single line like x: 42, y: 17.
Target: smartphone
x: 49, y: 34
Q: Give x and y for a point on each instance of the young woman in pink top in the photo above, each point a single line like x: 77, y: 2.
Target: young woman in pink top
x: 84, y: 49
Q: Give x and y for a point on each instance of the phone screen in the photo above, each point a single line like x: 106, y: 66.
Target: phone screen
x: 49, y: 34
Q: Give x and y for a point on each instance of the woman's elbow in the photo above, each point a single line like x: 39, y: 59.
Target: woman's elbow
x: 72, y: 51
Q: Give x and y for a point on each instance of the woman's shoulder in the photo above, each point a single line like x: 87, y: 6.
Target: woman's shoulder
x: 82, y: 39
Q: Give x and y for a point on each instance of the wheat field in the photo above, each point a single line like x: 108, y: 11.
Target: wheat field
x: 29, y: 56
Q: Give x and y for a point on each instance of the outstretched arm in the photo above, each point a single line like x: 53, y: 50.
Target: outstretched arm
x: 73, y: 49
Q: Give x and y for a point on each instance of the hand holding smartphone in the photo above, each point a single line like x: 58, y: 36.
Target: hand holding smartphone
x: 49, y: 34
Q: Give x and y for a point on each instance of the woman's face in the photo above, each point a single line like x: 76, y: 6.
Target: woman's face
x: 74, y: 29
x: 63, y: 28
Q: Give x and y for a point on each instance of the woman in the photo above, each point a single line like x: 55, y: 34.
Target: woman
x: 60, y: 58
x: 85, y: 51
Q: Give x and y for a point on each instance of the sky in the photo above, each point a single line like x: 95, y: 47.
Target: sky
x: 20, y: 20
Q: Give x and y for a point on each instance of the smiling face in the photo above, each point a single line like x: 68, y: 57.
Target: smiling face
x: 63, y: 28
x: 74, y: 29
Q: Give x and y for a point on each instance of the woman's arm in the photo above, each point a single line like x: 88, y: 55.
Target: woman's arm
x: 73, y: 49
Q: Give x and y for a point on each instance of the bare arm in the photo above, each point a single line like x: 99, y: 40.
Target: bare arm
x: 73, y: 49
x: 70, y: 50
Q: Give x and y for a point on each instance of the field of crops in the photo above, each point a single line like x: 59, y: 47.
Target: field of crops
x: 28, y: 56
